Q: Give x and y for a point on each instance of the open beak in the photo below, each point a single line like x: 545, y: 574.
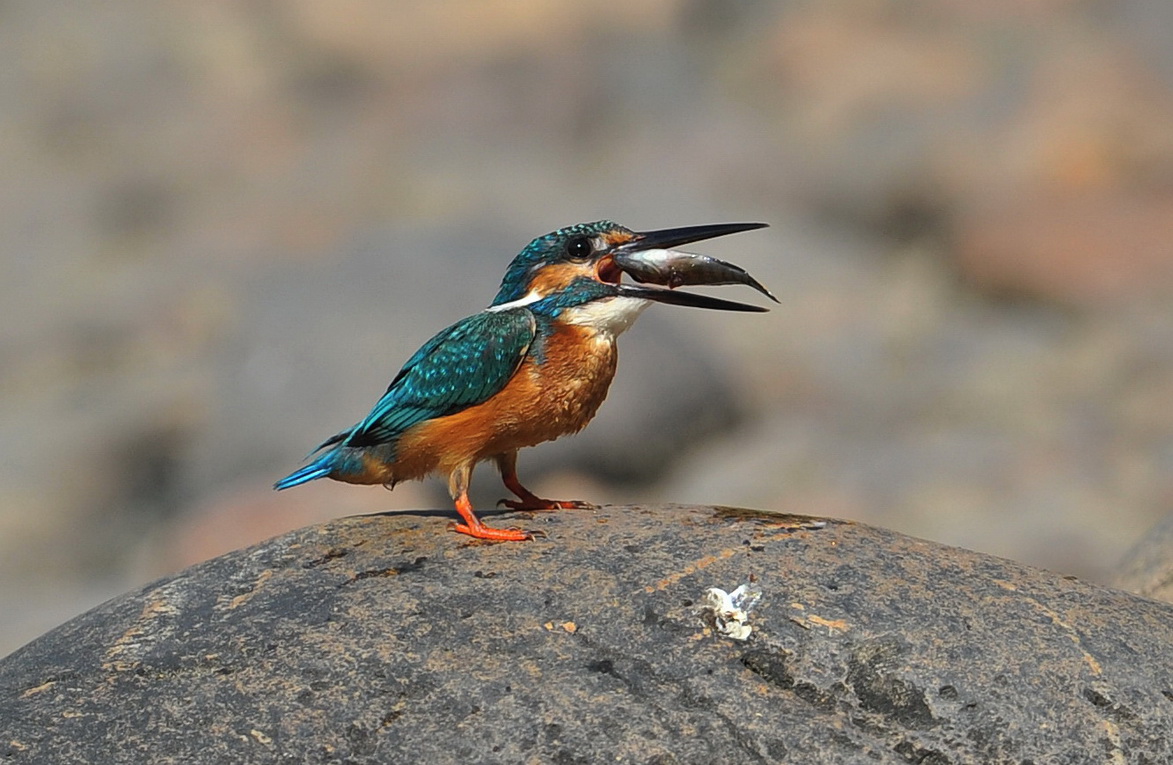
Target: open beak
x: 691, y: 299
x: 648, y: 258
x: 667, y: 238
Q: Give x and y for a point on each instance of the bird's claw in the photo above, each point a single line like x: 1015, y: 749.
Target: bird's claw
x: 545, y: 504
x: 490, y: 534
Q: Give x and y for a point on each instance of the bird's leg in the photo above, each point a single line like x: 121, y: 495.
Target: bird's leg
x: 458, y: 486
x: 507, y: 464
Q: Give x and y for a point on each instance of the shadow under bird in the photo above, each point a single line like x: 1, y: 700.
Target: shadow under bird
x: 533, y: 366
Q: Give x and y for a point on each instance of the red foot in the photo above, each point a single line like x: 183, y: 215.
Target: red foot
x: 474, y: 528
x: 481, y: 531
x: 537, y: 503
x: 527, y: 500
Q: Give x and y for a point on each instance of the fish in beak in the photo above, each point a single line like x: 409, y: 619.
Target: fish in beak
x: 648, y: 258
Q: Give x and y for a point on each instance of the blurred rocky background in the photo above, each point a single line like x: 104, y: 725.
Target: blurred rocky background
x: 225, y: 226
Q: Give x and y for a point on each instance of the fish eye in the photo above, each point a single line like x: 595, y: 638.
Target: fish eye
x: 579, y: 248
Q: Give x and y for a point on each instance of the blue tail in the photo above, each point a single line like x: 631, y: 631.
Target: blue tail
x: 319, y: 468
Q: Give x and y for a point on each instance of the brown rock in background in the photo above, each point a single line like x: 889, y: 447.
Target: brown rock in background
x: 1147, y: 569
x: 1083, y: 250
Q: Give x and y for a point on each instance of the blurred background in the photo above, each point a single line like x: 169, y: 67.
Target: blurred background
x: 226, y: 225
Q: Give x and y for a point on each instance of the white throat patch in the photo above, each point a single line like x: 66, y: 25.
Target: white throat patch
x: 609, y: 316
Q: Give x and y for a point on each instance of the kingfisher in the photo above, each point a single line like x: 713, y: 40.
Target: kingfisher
x: 533, y: 366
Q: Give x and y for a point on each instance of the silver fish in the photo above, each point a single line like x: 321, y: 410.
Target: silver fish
x: 675, y: 268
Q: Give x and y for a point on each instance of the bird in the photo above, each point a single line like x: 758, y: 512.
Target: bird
x: 534, y: 365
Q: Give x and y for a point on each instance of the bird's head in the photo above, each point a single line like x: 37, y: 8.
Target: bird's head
x: 586, y: 263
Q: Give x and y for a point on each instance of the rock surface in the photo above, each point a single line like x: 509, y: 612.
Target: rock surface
x: 374, y: 638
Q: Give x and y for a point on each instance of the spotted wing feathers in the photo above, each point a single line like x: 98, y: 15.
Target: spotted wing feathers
x: 460, y: 367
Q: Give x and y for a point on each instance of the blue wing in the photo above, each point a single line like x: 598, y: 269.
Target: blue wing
x: 462, y: 366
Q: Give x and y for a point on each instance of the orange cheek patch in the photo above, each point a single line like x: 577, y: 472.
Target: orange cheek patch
x: 558, y: 276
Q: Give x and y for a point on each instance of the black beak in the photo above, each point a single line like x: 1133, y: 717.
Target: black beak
x: 667, y: 238
x: 648, y: 258
x: 691, y: 299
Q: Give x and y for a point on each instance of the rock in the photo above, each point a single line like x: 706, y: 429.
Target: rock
x: 1148, y: 567
x: 373, y: 638
x: 1080, y: 250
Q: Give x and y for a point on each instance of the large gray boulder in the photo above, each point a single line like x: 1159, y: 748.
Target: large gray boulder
x: 386, y: 639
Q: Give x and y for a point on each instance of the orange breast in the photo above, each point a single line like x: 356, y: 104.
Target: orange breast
x: 540, y: 403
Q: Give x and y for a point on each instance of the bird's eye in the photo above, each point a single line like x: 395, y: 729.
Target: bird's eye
x: 579, y: 248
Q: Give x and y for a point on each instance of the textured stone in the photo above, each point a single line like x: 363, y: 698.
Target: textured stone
x: 382, y: 638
